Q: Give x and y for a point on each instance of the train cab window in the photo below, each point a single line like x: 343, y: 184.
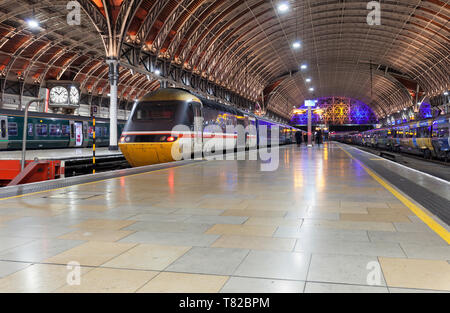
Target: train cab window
x: 41, y: 130
x: 191, y: 112
x: 12, y: 129
x: 209, y: 116
x: 3, y: 128
x: 55, y: 130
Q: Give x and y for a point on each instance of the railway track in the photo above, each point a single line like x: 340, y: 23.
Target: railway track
x: 433, y: 167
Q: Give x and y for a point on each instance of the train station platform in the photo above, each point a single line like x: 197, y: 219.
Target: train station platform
x: 328, y: 219
x: 59, y: 154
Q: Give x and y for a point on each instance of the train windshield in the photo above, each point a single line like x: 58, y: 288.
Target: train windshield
x: 161, y: 115
x: 155, y: 111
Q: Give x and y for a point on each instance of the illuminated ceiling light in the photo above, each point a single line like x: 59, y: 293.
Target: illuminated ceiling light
x: 157, y: 72
x: 303, y: 66
x: 296, y: 44
x: 33, y: 23
x: 446, y: 93
x: 283, y: 7
x: 311, y: 89
x: 308, y: 80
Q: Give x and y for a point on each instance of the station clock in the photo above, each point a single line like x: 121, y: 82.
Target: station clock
x: 74, y: 95
x: 59, y: 95
x: 63, y: 94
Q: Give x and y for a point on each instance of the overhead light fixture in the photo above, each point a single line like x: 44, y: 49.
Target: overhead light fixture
x: 283, y: 7
x: 303, y: 66
x: 311, y: 89
x: 446, y: 93
x: 296, y: 44
x: 308, y: 80
x: 33, y: 23
x: 157, y: 72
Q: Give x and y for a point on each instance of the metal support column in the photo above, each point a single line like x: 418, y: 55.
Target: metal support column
x: 113, y: 81
x: 309, y: 127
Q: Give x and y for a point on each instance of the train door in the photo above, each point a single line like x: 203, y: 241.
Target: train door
x: 71, y: 134
x: 85, y: 134
x: 3, y: 132
x: 78, y: 134
x: 198, y: 128
x: 253, y: 133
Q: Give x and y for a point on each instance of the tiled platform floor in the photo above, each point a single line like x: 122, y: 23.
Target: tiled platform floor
x: 319, y: 223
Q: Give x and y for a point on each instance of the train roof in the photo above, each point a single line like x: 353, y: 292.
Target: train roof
x: 53, y: 115
x: 168, y: 94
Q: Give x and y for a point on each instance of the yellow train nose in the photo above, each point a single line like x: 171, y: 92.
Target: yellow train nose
x: 148, y: 153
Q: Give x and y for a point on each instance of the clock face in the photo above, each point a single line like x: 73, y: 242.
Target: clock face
x: 59, y: 95
x: 74, y: 95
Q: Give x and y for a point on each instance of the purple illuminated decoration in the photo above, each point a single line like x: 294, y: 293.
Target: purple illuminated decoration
x: 425, y: 111
x: 336, y: 111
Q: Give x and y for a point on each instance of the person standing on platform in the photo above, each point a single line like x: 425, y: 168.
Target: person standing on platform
x: 298, y: 138
x: 319, y: 137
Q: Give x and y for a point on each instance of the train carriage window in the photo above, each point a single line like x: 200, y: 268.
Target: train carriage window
x: 30, y: 129
x: 41, y: 130
x: 106, y: 132
x: 3, y: 128
x: 12, y: 129
x: 55, y: 130
x: 65, y: 130
x: 443, y: 132
x: 98, y: 131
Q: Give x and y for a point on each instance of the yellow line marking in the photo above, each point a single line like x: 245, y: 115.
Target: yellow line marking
x: 435, y: 226
x: 94, y: 182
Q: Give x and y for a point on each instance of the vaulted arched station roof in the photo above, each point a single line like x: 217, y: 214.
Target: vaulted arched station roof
x: 246, y: 46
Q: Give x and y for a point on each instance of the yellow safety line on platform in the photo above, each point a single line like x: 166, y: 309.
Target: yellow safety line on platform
x: 93, y: 182
x: 435, y: 226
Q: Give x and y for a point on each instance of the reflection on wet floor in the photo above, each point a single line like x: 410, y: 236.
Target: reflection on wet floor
x: 318, y: 223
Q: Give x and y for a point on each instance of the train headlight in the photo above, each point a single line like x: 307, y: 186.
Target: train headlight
x: 124, y: 139
x: 171, y: 139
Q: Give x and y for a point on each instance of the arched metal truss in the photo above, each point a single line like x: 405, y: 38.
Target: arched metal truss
x: 239, y: 51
